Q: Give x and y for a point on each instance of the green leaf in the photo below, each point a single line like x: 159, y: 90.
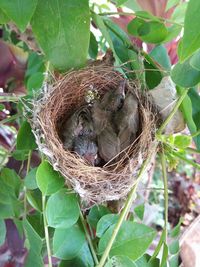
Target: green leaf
x: 2, y: 232
x: 160, y: 55
x: 36, y: 221
x: 96, y: 213
x: 175, y: 232
x: 145, y: 261
x: 132, y: 240
x: 68, y: 242
x: 30, y: 179
x: 195, y: 99
x: 93, y: 48
x: 3, y: 18
x: 25, y: 138
x: 146, y: 15
x: 184, y: 75
x: 6, y: 211
x: 179, y: 13
x: 195, y: 60
x: 35, y: 81
x: 35, y: 64
x: 34, y: 197
x: 20, y: 11
x: 62, y: 28
x: 9, y: 192
x: 139, y: 211
x: 171, y: 3
x: 187, y: 111
x: 153, y: 75
x: 20, y: 154
x: 120, y: 2
x: 62, y: 209
x: 182, y: 141
x: 105, y: 222
x: 174, y: 261
x: 35, y: 246
x: 83, y: 259
x: 164, y: 255
x: 173, y: 32
x: 148, y: 31
x: 11, y: 180
x: 48, y: 180
x: 191, y: 36
x: 174, y: 247
x: 120, y: 261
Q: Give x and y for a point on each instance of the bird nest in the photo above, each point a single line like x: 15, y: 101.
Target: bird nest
x: 58, y: 100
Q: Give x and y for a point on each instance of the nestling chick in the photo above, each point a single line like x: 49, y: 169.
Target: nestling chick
x: 126, y: 121
x: 107, y: 139
x: 86, y: 148
x: 80, y: 136
x: 78, y: 123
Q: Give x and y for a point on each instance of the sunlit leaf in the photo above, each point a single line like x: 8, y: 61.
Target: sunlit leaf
x: 20, y: 11
x: 34, y: 257
x: 62, y: 209
x: 160, y: 55
x: 96, y: 213
x: 93, y: 48
x: 139, y: 211
x: 132, y: 240
x: 25, y: 138
x: 62, y: 30
x: 191, y: 36
x: 184, y: 75
x: 68, y: 242
x: 105, y: 222
x: 82, y: 259
x: 2, y: 232
x: 120, y: 261
x: 48, y: 180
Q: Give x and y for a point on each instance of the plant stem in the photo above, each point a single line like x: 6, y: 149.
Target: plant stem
x: 11, y: 118
x: 196, y: 134
x: 46, y: 231
x: 194, y: 164
x: 9, y: 98
x: 164, y: 173
x: 172, y: 113
x: 139, y: 16
x: 192, y: 150
x: 88, y: 238
x: 25, y: 190
x: 126, y: 208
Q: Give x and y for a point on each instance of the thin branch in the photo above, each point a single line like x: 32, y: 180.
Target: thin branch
x: 191, y: 162
x: 46, y: 231
x: 88, y: 238
x: 9, y: 98
x: 192, y: 150
x: 25, y: 190
x: 196, y: 134
x: 164, y: 173
x: 172, y: 113
x: 11, y: 118
x: 139, y: 16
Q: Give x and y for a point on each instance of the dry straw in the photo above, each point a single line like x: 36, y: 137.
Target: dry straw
x: 57, y: 101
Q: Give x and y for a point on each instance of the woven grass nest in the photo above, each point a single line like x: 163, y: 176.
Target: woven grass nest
x: 58, y: 101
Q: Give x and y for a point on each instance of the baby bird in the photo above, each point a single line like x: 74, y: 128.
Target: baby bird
x: 107, y: 139
x: 86, y: 148
x: 79, y: 135
x: 126, y: 121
